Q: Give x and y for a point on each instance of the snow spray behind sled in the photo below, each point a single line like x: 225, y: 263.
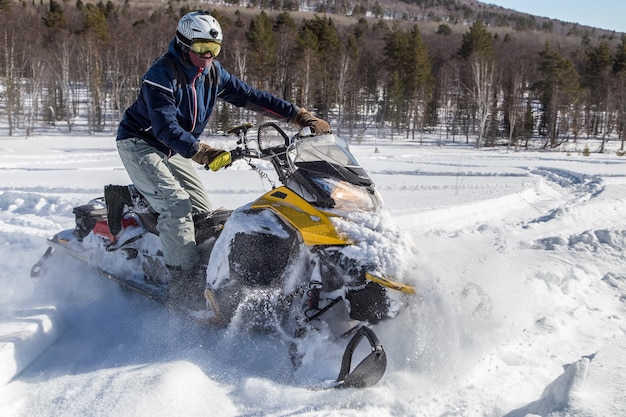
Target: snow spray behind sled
x: 311, y: 256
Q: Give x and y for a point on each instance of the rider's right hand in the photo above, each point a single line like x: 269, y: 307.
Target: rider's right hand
x: 222, y: 160
x: 211, y: 157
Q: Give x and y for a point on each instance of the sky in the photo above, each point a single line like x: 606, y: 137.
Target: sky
x: 603, y: 14
x: 518, y: 265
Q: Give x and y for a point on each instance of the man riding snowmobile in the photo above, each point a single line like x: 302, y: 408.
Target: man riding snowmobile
x: 159, y: 134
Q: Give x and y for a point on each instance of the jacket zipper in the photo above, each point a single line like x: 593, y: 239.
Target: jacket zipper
x: 195, y: 99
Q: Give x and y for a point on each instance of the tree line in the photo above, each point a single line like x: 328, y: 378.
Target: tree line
x: 63, y: 64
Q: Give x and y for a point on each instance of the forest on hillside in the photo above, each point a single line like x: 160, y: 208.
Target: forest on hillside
x: 469, y: 75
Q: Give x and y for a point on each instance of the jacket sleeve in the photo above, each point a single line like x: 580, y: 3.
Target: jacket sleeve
x: 158, y: 91
x: 240, y: 94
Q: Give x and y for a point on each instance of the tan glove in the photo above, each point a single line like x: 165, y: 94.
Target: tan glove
x: 211, y: 157
x: 304, y: 118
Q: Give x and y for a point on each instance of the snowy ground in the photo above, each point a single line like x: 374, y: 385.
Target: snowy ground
x: 521, y: 307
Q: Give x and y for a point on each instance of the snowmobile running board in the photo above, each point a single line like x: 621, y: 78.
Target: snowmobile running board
x: 157, y: 294
x: 201, y: 316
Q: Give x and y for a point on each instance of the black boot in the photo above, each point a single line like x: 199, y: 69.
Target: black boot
x: 186, y: 286
x: 210, y: 224
x: 116, y: 197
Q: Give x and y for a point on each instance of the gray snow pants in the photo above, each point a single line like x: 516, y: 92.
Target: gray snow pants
x: 173, y: 188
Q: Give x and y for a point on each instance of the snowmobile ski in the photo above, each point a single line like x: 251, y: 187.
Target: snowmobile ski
x: 368, y: 372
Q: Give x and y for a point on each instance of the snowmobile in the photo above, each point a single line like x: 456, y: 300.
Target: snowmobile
x: 311, y: 256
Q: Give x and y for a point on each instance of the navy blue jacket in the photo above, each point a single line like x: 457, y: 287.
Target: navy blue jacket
x: 170, y: 114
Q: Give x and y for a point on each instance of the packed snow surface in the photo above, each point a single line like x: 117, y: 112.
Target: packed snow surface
x: 520, y: 305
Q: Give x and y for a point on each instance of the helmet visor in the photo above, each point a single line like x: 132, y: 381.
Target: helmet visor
x: 203, y: 47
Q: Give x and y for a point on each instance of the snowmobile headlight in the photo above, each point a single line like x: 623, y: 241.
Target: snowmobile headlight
x: 347, y: 196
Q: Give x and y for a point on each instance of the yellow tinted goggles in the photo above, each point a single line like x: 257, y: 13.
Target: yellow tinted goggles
x: 204, y: 47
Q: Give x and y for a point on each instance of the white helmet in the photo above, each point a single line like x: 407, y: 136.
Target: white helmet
x: 198, y: 25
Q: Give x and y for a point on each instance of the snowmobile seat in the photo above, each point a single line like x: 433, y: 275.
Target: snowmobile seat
x: 87, y: 216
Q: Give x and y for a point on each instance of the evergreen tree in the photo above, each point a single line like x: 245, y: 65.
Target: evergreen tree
x: 395, y: 104
x: 477, y: 40
x: 262, y: 47
x: 557, y: 90
x: 619, y: 75
x: 55, y: 17
x: 96, y: 22
x: 619, y: 63
x: 406, y: 53
x: 324, y: 43
x: 594, y: 79
x: 444, y: 29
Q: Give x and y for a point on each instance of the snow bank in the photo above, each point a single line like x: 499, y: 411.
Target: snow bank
x: 589, y: 385
x: 25, y: 336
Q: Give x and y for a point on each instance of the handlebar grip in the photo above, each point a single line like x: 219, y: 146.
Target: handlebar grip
x: 236, y: 154
x: 237, y: 130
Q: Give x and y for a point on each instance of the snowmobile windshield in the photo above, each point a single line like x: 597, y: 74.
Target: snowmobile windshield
x: 323, y: 148
x: 328, y: 155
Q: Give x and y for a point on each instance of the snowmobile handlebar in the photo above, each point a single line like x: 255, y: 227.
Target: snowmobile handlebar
x: 266, y: 146
x: 272, y: 143
x: 239, y: 153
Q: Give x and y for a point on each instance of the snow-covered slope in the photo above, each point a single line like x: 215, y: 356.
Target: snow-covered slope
x: 521, y: 303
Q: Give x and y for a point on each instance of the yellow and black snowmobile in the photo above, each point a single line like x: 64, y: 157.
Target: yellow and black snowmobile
x: 316, y: 254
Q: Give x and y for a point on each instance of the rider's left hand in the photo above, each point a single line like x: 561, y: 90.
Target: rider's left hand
x: 305, y: 118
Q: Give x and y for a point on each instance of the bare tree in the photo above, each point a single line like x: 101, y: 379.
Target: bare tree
x: 342, y: 85
x: 240, y: 53
x: 477, y: 49
x: 33, y: 86
x: 63, y: 55
x: 483, y: 73
x: 515, y: 99
x: 10, y: 80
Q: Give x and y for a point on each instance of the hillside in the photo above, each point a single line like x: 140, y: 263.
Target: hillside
x: 458, y: 14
